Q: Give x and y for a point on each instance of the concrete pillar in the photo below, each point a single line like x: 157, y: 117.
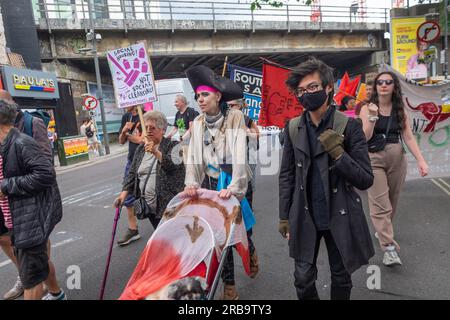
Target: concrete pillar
x: 3, y: 57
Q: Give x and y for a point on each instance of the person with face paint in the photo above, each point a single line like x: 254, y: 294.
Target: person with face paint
x: 218, y: 144
x: 320, y: 168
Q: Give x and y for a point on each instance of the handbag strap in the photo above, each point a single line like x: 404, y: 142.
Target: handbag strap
x: 389, y: 123
x: 148, y: 176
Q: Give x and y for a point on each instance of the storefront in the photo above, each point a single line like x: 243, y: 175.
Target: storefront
x: 39, y: 90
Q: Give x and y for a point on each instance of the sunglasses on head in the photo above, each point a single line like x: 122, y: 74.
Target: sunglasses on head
x: 386, y: 82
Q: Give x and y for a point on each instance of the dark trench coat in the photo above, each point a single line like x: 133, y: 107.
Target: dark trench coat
x: 348, y: 224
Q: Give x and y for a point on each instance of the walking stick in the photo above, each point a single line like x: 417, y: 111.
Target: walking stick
x: 105, y: 276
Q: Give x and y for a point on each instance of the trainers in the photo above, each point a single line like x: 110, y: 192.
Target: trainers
x: 376, y: 235
x: 15, y: 292
x: 60, y: 296
x: 391, y: 257
x: 130, y: 236
x: 254, y: 265
x: 229, y: 292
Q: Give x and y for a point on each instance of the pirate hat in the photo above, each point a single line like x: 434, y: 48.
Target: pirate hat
x: 203, y: 76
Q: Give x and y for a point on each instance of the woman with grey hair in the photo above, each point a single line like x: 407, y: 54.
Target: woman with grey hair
x: 154, y: 174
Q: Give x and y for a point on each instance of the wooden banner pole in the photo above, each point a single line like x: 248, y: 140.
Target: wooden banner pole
x: 225, y: 66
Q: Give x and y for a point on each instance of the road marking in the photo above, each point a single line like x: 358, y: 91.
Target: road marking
x: 443, y: 181
x: 55, y: 245
x: 441, y: 186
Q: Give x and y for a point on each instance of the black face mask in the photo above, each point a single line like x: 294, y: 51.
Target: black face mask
x: 313, y: 101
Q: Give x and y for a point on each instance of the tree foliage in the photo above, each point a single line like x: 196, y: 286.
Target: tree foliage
x: 256, y: 4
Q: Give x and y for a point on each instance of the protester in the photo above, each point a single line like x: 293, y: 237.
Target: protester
x: 348, y: 103
x: 217, y: 147
x: 183, y: 118
x: 130, y: 130
x: 252, y: 145
x: 88, y: 130
x: 386, y: 115
x: 39, y: 133
x: 319, y: 171
x: 359, y: 105
x: 31, y: 206
x: 154, y: 157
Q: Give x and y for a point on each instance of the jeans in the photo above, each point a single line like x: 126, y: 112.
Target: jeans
x: 305, y: 274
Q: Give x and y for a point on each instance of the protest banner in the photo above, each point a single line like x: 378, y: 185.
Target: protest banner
x: 278, y: 103
x: 132, y: 75
x: 251, y: 81
x: 428, y: 110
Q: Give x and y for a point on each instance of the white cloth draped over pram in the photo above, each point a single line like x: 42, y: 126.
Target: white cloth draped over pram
x: 189, y: 242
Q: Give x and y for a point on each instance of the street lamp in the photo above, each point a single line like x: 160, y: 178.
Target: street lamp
x: 93, y: 37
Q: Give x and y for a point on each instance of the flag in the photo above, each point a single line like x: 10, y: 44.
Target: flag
x: 361, y: 96
x: 278, y: 103
x: 347, y: 87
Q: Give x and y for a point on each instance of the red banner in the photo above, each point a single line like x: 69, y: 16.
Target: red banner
x: 278, y: 103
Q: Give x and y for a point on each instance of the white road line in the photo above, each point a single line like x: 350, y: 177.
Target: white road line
x: 87, y: 197
x: 61, y: 243
x: 441, y: 187
x: 5, y: 263
x: 444, y: 182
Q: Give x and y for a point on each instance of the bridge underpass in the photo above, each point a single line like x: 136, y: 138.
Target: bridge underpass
x: 182, y: 34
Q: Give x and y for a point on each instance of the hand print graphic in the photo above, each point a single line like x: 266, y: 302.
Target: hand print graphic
x: 130, y: 70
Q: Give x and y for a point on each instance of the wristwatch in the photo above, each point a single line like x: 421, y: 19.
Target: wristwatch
x: 373, y: 118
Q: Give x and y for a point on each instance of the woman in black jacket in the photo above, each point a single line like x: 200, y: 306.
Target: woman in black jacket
x: 159, y: 158
x: 31, y: 205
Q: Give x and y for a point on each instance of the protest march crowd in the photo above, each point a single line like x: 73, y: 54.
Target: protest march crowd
x: 327, y: 156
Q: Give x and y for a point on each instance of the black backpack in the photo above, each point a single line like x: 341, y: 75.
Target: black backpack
x: 89, y: 132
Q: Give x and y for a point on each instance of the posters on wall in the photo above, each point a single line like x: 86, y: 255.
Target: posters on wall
x: 406, y: 51
x: 132, y: 76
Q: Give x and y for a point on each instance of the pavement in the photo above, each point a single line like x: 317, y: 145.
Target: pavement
x: 81, y: 241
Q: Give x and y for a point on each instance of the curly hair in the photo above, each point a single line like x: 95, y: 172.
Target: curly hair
x: 397, y: 97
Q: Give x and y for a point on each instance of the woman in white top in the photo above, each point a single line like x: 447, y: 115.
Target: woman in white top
x: 218, y: 143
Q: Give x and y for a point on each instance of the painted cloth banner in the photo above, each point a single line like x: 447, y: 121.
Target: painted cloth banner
x: 132, y: 75
x: 278, y: 103
x: 428, y: 109
x: 404, y: 47
x: 251, y: 81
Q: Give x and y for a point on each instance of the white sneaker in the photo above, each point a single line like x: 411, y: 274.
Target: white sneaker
x: 61, y: 296
x: 391, y: 257
x: 15, y: 292
x: 376, y: 235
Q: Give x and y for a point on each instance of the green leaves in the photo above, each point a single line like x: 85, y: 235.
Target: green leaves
x: 256, y: 4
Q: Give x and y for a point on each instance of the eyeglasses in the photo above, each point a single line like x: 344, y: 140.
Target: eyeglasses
x: 151, y: 128
x: 202, y: 94
x: 311, y: 88
x: 386, y: 82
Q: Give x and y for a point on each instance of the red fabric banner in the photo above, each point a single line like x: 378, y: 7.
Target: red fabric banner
x: 347, y: 88
x: 278, y: 103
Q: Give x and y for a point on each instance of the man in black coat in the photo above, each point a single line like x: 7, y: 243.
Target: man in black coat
x: 319, y: 170
x: 30, y: 205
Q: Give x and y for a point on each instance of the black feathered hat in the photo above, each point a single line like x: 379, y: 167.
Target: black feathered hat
x: 203, y: 76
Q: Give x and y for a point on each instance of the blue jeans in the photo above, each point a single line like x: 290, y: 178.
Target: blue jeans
x: 130, y: 198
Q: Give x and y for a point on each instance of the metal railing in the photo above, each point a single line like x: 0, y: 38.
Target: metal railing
x: 207, y: 10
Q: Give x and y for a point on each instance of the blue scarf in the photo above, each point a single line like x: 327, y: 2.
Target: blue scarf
x: 249, y: 218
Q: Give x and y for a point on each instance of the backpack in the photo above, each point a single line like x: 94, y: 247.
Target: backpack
x: 28, y: 120
x: 89, y: 132
x: 339, y: 123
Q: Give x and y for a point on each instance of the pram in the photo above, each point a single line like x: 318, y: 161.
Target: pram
x: 192, y: 240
